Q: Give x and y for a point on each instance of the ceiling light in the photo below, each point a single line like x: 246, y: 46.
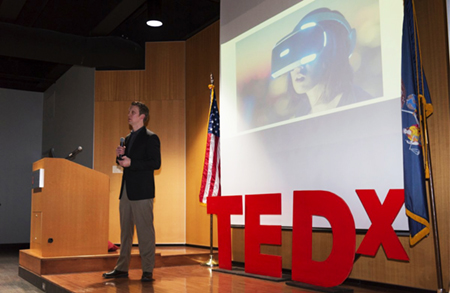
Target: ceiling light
x: 154, y: 23
x: 154, y: 13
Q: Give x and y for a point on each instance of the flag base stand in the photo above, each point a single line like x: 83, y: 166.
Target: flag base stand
x: 211, y: 262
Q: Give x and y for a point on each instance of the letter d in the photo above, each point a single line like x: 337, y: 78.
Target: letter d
x: 335, y: 269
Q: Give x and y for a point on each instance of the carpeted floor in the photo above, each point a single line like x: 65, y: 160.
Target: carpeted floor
x: 10, y: 282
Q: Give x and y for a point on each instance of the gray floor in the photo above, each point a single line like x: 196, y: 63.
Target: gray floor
x: 9, y: 273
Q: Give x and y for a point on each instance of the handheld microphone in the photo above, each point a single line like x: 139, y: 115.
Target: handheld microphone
x: 122, y: 141
x: 72, y: 155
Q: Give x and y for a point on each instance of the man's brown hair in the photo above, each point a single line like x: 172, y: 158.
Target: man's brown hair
x: 143, y: 109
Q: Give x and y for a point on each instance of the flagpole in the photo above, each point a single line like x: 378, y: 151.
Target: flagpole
x: 434, y: 224
x: 437, y: 249
x: 211, y: 262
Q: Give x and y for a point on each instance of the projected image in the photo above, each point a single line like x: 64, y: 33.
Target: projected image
x: 310, y: 100
x: 313, y: 60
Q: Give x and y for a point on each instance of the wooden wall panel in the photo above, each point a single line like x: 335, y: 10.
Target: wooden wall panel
x: 202, y: 59
x: 169, y: 206
x: 110, y: 125
x: 119, y: 85
x: 165, y: 70
x: 114, y: 92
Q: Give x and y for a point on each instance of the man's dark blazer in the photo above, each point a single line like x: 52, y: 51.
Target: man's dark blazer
x: 145, y: 157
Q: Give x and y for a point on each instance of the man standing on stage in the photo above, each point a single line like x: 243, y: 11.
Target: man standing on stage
x: 139, y: 157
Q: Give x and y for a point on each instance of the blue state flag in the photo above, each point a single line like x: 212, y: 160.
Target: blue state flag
x: 416, y: 107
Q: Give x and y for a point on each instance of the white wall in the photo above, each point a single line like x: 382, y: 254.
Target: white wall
x: 21, y: 140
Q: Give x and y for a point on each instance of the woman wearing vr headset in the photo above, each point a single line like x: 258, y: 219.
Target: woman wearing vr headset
x: 315, y: 56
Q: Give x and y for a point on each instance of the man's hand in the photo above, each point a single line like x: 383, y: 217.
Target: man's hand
x: 125, y: 162
x: 120, y: 150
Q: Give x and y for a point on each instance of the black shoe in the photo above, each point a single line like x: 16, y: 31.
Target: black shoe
x: 147, y: 277
x: 115, y: 274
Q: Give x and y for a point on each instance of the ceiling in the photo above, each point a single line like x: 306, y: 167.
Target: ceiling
x: 41, y: 39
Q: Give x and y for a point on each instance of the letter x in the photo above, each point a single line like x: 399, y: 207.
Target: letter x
x: 382, y: 217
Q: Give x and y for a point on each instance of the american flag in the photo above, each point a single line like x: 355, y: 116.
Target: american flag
x: 211, y: 168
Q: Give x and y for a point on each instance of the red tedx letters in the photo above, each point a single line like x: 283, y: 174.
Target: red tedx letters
x: 338, y: 265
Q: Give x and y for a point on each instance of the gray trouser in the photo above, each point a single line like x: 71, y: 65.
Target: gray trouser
x: 139, y: 213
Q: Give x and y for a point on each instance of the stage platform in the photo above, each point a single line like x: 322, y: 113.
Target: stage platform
x: 177, y: 269
x: 39, y: 270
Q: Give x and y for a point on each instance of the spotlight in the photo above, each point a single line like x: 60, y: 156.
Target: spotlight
x: 154, y: 13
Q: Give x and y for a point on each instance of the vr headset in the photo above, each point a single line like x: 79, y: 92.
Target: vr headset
x: 307, y: 41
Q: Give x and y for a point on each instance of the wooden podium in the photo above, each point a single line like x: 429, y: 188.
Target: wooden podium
x: 70, y: 212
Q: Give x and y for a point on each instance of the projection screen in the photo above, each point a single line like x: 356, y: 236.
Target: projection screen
x: 310, y: 100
